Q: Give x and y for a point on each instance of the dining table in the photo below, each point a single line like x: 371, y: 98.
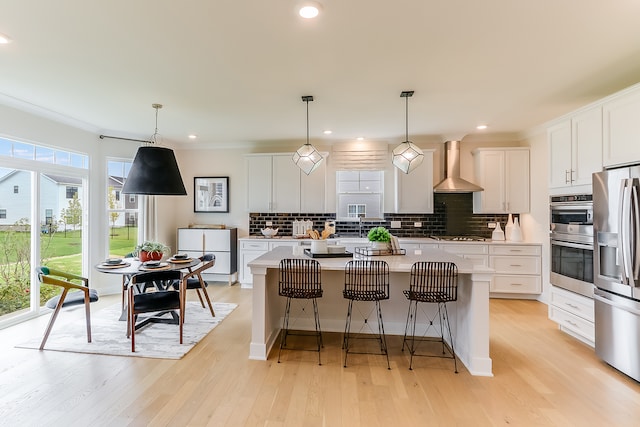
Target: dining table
x: 128, y: 267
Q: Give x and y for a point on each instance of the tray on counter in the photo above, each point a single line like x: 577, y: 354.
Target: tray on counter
x: 366, y: 251
x: 344, y: 254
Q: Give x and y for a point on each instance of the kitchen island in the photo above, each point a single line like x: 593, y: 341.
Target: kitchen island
x: 469, y: 315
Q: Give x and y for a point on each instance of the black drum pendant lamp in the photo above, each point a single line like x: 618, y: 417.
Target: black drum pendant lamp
x: 154, y: 170
x: 407, y: 156
x: 307, y: 158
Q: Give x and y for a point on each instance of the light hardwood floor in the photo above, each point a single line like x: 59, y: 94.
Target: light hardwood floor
x: 542, y: 378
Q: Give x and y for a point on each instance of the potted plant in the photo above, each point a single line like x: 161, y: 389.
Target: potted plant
x: 379, y: 238
x: 150, y: 251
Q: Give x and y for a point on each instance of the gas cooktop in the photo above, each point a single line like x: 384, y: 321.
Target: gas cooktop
x: 460, y: 238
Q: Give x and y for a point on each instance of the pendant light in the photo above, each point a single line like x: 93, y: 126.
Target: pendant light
x: 154, y: 170
x: 307, y: 158
x: 407, y: 156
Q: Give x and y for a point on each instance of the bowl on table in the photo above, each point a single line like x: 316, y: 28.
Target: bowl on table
x: 151, y: 264
x: 113, y: 261
x: 269, y: 232
x: 180, y: 256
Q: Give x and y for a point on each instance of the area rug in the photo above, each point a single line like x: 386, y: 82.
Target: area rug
x: 157, y: 340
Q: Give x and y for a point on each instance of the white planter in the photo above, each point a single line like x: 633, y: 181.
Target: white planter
x: 381, y: 246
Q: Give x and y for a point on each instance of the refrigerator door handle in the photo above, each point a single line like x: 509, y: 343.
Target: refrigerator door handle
x: 634, y: 236
x: 623, y: 218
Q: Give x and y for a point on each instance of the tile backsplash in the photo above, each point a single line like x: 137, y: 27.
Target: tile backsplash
x: 452, y: 215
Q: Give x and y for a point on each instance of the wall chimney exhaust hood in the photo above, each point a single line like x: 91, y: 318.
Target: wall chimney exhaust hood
x: 452, y: 183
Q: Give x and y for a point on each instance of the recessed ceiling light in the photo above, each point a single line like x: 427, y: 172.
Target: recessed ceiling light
x: 328, y: 132
x: 4, y: 39
x: 309, y: 9
x: 360, y: 138
x: 192, y: 136
x: 481, y: 127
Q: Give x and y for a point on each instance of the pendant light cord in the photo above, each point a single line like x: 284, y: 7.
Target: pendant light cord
x: 307, y: 101
x: 406, y: 118
x: 155, y: 134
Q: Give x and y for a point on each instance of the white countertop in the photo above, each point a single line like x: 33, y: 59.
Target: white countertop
x: 397, y: 263
x: 401, y: 239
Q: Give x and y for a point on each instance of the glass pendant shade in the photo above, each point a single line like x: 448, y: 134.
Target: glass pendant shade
x: 407, y: 156
x: 307, y: 158
x: 154, y: 172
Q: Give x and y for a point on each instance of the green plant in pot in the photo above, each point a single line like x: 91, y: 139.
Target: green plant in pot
x: 150, y: 251
x: 379, y: 237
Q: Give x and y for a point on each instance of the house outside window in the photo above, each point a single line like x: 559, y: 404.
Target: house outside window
x: 359, y: 194
x: 71, y: 191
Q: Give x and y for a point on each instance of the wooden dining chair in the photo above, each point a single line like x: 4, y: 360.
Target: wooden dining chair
x: 81, y: 294
x: 153, y: 292
x: 193, y: 280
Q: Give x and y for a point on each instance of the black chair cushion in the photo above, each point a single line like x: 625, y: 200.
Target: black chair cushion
x: 156, y: 301
x: 73, y: 298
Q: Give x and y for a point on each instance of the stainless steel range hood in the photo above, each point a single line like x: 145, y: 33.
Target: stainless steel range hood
x: 452, y: 183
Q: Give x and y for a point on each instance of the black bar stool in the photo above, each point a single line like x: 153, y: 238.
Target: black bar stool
x: 365, y: 280
x: 300, y: 279
x: 436, y: 283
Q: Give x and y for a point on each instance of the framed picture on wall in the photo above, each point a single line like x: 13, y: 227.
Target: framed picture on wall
x: 211, y: 194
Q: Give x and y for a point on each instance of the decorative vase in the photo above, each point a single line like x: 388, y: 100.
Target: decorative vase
x: 508, y: 228
x: 516, y: 233
x: 497, y: 234
x: 150, y: 256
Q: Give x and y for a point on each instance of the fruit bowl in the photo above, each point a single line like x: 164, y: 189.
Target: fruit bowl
x: 269, y: 232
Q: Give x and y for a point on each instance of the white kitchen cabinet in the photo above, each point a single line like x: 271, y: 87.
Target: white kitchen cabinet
x: 504, y: 175
x: 220, y: 242
x: 573, y: 313
x: 518, y: 269
x: 575, y: 151
x: 414, y: 191
x: 252, y: 249
x: 276, y: 184
x: 476, y: 253
x: 621, y: 129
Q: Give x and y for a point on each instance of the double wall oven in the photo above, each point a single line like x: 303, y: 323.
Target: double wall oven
x: 571, y: 236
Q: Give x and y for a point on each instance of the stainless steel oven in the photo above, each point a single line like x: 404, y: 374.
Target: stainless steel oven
x: 571, y: 237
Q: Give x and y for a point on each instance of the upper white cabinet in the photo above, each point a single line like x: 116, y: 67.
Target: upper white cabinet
x: 276, y: 184
x: 414, y: 191
x: 621, y: 129
x: 575, y: 150
x: 504, y: 174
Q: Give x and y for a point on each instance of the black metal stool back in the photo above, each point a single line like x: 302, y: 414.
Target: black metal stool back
x: 431, y: 282
x: 366, y: 280
x: 300, y: 279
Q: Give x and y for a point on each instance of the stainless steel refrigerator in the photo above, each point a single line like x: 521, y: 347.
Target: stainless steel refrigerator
x: 616, y: 267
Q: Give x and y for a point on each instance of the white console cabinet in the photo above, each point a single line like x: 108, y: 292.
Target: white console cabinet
x: 220, y: 242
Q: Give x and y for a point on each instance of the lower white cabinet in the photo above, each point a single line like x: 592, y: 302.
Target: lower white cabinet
x: 518, y: 269
x: 220, y: 242
x: 476, y: 253
x: 573, y: 313
x: 252, y: 249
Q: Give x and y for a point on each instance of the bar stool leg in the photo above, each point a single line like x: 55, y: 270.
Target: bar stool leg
x: 285, y: 327
x: 383, y: 338
x: 347, y: 332
x: 453, y: 351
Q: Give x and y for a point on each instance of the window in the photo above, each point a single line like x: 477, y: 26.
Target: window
x: 71, y: 192
x: 48, y: 216
x: 3, y: 214
x: 21, y: 150
x: 359, y: 194
x: 16, y: 189
x: 122, y: 210
x: 356, y: 211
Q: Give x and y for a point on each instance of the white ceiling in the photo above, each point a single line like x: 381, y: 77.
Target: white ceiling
x: 233, y: 71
